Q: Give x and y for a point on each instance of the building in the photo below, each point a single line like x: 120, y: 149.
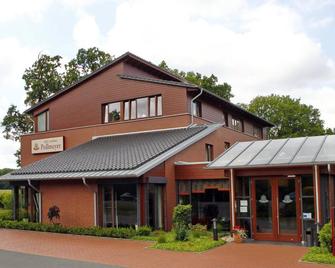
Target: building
x: 282, y: 188
x: 124, y: 145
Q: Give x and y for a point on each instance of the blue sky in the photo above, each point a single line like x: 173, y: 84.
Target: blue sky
x: 259, y: 47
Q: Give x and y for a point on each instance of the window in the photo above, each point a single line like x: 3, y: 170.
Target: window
x: 142, y: 107
x: 307, y: 197
x: 225, y: 119
x: 237, y: 124
x: 196, y: 108
x: 257, y: 132
x: 126, y: 110
x: 226, y: 145
x: 209, y: 152
x: 43, y: 121
x: 133, y: 109
x: 112, y: 112
x: 152, y: 106
x: 159, y: 106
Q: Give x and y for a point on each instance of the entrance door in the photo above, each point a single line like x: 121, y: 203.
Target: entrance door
x: 276, y: 209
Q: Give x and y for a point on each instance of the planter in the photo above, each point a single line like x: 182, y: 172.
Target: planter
x: 237, y: 238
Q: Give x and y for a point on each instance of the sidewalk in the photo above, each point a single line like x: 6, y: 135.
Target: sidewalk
x: 128, y: 253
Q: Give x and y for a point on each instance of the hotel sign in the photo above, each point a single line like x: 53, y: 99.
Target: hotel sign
x: 50, y: 145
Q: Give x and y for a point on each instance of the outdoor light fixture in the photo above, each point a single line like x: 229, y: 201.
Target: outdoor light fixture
x: 291, y: 176
x: 263, y: 199
x: 287, y: 199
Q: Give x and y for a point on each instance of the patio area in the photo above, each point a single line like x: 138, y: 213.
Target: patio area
x: 129, y: 253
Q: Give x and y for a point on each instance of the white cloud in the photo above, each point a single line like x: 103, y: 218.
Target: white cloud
x: 14, y: 58
x: 86, y: 32
x: 321, y: 23
x: 257, y: 49
x: 13, y: 9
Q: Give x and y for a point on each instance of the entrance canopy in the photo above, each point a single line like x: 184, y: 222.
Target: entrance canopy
x: 282, y: 152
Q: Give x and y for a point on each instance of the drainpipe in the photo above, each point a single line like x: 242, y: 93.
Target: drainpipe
x: 39, y: 201
x: 192, y: 103
x: 94, y: 200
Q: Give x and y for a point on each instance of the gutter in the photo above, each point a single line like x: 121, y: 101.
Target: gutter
x: 192, y: 104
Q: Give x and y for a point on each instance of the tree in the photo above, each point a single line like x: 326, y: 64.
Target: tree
x: 291, y: 117
x: 207, y: 82
x: 85, y: 62
x: 3, y: 171
x: 44, y: 78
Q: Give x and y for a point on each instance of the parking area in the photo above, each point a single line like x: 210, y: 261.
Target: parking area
x: 128, y: 253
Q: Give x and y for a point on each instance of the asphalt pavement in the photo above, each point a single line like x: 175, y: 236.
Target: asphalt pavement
x: 9, y: 259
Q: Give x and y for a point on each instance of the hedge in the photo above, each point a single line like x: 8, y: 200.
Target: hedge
x: 93, y: 231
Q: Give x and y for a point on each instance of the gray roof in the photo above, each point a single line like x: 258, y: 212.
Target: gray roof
x: 128, y: 155
x: 281, y: 152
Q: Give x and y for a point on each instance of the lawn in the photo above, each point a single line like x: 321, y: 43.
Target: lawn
x: 193, y: 244
x: 318, y: 255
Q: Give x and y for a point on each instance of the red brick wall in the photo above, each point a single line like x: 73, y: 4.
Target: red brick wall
x: 74, y: 200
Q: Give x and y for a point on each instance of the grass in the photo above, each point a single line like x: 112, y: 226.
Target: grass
x: 5, y: 191
x: 5, y: 213
x: 318, y: 255
x: 193, y: 244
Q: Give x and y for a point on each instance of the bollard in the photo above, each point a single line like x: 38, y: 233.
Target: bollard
x: 215, y: 230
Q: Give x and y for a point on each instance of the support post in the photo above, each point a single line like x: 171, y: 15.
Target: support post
x: 331, y: 188
x: 316, y: 182
x: 232, y: 197
x: 15, y: 204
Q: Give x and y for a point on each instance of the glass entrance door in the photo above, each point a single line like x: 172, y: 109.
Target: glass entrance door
x: 276, y: 209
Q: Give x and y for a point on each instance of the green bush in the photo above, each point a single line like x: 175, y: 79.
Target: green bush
x: 182, y: 221
x: 198, y: 230
x: 143, y: 231
x: 325, y: 237
x: 6, y: 199
x: 6, y: 214
x: 161, y: 239
x: 57, y: 228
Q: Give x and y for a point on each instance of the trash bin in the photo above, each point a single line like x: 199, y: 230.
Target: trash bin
x: 309, y: 237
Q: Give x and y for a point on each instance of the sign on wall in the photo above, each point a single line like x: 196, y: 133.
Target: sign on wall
x: 50, y: 145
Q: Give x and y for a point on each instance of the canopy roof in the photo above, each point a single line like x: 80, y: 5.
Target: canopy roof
x: 281, y: 152
x: 127, y: 155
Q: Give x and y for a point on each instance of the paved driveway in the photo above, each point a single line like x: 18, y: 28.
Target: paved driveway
x: 9, y: 259
x: 127, y: 253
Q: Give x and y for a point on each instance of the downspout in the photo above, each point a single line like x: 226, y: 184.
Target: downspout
x: 94, y: 200
x: 192, y: 103
x: 39, y: 201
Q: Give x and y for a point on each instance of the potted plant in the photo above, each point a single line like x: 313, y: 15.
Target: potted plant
x: 239, y: 234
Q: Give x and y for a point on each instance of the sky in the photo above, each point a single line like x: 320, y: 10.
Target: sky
x: 258, y: 47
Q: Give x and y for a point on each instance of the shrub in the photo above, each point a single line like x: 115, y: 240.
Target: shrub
x: 181, y: 221
x: 325, y: 237
x: 198, y: 230
x: 161, y: 239
x: 143, y: 231
x: 53, y: 213
x: 6, y: 214
x: 6, y: 199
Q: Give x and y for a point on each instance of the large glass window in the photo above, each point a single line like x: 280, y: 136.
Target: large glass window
x: 153, y: 106
x: 307, y: 197
x: 43, y: 121
x: 133, y: 109
x: 142, y: 107
x: 209, y: 152
x: 196, y: 108
x: 237, y: 124
x: 159, y: 106
x: 112, y: 112
x: 126, y: 110
x: 155, y: 206
x: 263, y: 206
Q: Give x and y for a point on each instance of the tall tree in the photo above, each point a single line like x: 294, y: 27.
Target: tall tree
x: 207, y: 82
x: 44, y: 78
x: 85, y: 62
x: 291, y: 117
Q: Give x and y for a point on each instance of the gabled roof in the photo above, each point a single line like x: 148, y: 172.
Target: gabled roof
x: 129, y: 155
x: 125, y: 56
x: 315, y: 150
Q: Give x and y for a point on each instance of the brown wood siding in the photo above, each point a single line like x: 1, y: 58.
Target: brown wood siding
x: 82, y: 106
